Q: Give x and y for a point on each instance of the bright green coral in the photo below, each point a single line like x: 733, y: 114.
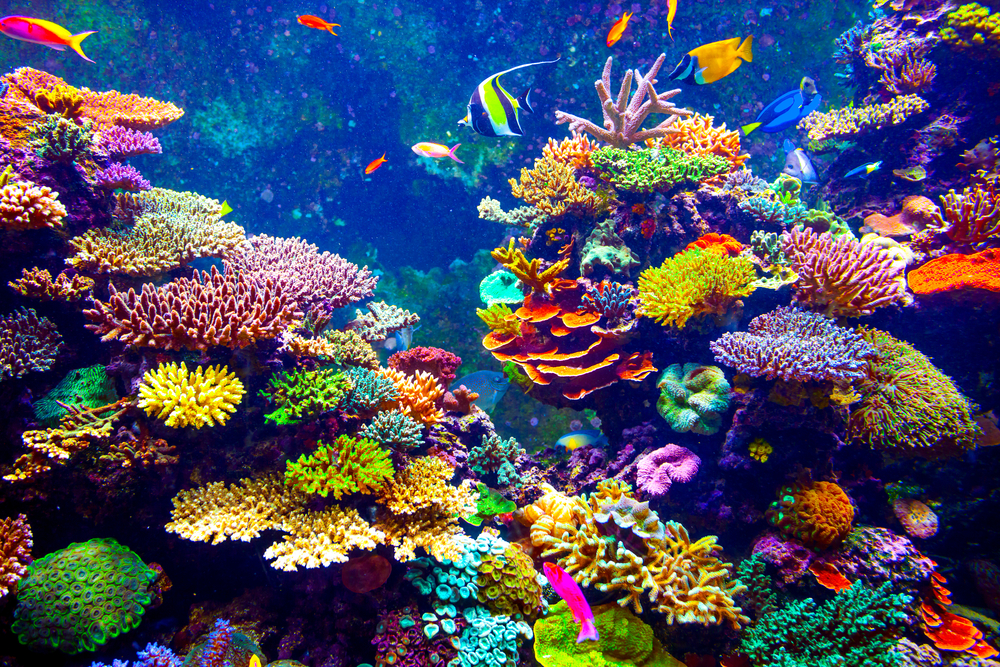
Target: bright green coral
x: 302, y: 394
x: 346, y: 466
x: 625, y: 640
x: 651, y: 169
x: 88, y: 387
x: 973, y: 28
x: 491, y: 503
x: 500, y: 287
x: 693, y: 398
x: 498, y: 456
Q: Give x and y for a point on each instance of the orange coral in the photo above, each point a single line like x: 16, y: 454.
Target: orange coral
x: 918, y: 212
x: 697, y: 136
x: 38, y: 284
x: 418, y: 394
x: 829, y: 577
x: 721, y: 243
x: 948, y: 631
x: 972, y: 217
x: 574, y: 151
x: 551, y: 187
x: 818, y: 514
x: 954, y: 272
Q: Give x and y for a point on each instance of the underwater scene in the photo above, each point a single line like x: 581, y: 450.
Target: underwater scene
x: 562, y: 333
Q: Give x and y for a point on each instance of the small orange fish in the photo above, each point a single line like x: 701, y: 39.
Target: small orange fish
x: 310, y: 21
x: 618, y: 28
x: 375, y: 164
x: 671, y: 12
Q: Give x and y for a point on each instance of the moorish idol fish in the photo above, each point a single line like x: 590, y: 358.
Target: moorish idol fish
x: 783, y: 112
x: 492, y: 111
x: 865, y: 170
x: 798, y: 164
x: 711, y: 62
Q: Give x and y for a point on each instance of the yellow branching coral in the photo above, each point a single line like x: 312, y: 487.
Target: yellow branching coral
x: 316, y: 539
x: 552, y: 188
x: 352, y: 349
x: 697, y: 136
x: 417, y: 394
x: 38, y: 284
x: 682, y: 579
x: 694, y: 283
x: 500, y: 319
x: 205, y: 397
x: 24, y: 206
x: 847, y: 123
x: 168, y: 230
x: 527, y: 272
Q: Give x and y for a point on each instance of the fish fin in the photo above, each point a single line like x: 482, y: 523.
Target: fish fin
x: 587, y: 631
x: 748, y: 128
x: 523, y: 102
x: 540, y: 62
x: 74, y: 43
x: 788, y: 146
x: 744, y: 50
x: 451, y: 154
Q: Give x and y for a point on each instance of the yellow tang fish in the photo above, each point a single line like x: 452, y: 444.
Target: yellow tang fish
x: 711, y: 62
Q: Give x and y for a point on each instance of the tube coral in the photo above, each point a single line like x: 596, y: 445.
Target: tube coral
x: 204, y: 397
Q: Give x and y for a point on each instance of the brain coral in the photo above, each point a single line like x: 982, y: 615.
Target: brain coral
x: 692, y: 398
x: 77, y: 598
x: 206, y: 396
x: 815, y: 513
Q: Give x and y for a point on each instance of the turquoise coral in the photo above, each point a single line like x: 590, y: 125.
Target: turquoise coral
x: 693, y: 398
x: 88, y: 387
x: 393, y: 429
x: 500, y: 287
x: 499, y: 457
x: 369, y: 390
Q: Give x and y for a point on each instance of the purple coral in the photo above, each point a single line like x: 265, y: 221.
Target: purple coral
x: 659, y: 469
x: 27, y: 343
x: 120, y: 176
x: 792, y: 344
x: 122, y: 142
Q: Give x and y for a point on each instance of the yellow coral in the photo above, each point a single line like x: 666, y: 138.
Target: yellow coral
x: 552, y: 187
x: 38, y: 284
x: 974, y: 29
x: 760, y: 449
x: 698, y: 136
x: 205, y: 397
x: 316, y: 539
x: 846, y: 123
x: 64, y: 100
x: 500, y: 319
x: 24, y: 206
x: 694, y: 283
x: 527, y: 272
x: 352, y: 349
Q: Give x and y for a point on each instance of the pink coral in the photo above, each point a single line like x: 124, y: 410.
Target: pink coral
x: 118, y: 141
x: 439, y: 363
x: 659, y: 469
x: 15, y: 552
x: 120, y: 176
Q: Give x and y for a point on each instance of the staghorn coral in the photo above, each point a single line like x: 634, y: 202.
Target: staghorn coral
x: 37, y: 283
x: 971, y: 218
x: 957, y: 272
x: 854, y: 121
x: 574, y: 151
x: 24, y: 206
x: 499, y: 457
x: 15, y: 552
x: 118, y: 176
x: 623, y: 118
x: 694, y: 283
x: 350, y: 349
x: 841, y: 276
x: 551, y: 187
x: 319, y: 538
x: 908, y: 407
x: 28, y: 343
x: 122, y: 142
x: 348, y: 465
x: 818, y: 514
x: 693, y: 398
x: 303, y: 394
x: 194, y: 314
x: 792, y: 344
x: 655, y: 169
x: 203, y: 397
x: 417, y: 395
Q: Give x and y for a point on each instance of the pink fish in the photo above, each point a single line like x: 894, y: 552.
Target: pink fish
x: 428, y: 149
x: 42, y: 32
x: 569, y: 591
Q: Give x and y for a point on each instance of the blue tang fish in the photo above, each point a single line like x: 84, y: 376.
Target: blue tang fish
x: 787, y: 110
x: 493, y: 112
x: 798, y: 164
x: 490, y: 385
x: 865, y: 170
x: 575, y: 439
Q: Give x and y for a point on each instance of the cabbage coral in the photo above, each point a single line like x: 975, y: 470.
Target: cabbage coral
x: 181, y: 398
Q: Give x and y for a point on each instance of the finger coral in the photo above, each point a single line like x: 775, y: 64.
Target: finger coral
x: 319, y: 538
x: 24, y: 206
x: 417, y: 395
x: 973, y: 217
x: 552, y: 188
x: 346, y: 466
x: 179, y: 398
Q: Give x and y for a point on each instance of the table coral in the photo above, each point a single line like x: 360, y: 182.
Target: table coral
x: 657, y: 471
x: 302, y: 394
x: 15, y: 552
x: 908, y: 406
x: 194, y: 313
x: 818, y: 514
x: 25, y: 205
x: 319, y: 538
x: 792, y: 344
x: 38, y: 283
x: 694, y: 283
x: 693, y: 398
x: 28, y: 343
x: 853, y: 121
x: 109, y: 597
x: 118, y: 176
x: 979, y: 271
x: 348, y: 465
x: 655, y: 169
x: 179, y: 398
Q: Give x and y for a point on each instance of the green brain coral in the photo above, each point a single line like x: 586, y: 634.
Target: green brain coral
x: 78, y: 598
x: 693, y: 398
x: 625, y: 641
x: 652, y: 169
x: 88, y: 387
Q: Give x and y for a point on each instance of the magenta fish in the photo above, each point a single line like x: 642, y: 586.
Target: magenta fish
x: 569, y: 591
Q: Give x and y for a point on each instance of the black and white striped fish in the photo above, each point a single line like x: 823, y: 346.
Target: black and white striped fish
x: 493, y: 112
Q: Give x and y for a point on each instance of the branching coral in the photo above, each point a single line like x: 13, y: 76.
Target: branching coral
x: 393, y: 429
x: 973, y: 217
x: 15, y: 552
x: 38, y: 284
x: 118, y: 176
x: 851, y: 122
x: 494, y: 455
x: 204, y: 397
x: 694, y: 283
x: 381, y: 320
x: 528, y: 272
x: 655, y: 169
x: 698, y: 136
x: 24, y: 206
x: 347, y: 466
x: 319, y: 538
x: 818, y: 514
x: 417, y: 395
x: 28, y: 343
x: 574, y: 151
x: 62, y: 140
x: 552, y: 188
x: 88, y: 387
x: 302, y: 394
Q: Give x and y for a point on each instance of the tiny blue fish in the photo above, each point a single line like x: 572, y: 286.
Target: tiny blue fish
x: 786, y: 110
x: 575, y: 439
x: 490, y: 385
x: 798, y: 164
x: 865, y: 170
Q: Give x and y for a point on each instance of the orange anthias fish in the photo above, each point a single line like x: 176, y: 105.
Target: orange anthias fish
x: 375, y: 164
x: 671, y: 12
x: 618, y: 28
x: 310, y: 21
x: 429, y: 149
x: 42, y: 32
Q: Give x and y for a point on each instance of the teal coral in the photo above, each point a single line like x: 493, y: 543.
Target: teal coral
x: 490, y: 641
x: 78, y: 598
x: 393, y: 429
x: 62, y: 140
x: 369, y: 391
x: 500, y: 287
x: 346, y: 466
x: 768, y: 211
x: 302, y: 394
x: 88, y: 387
x: 497, y: 456
x: 651, y: 169
x: 693, y: 398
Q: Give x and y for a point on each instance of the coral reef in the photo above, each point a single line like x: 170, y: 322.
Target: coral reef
x: 178, y: 397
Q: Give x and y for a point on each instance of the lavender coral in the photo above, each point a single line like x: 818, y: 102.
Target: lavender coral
x: 119, y: 142
x: 658, y: 470
x: 27, y: 343
x: 793, y: 344
x: 118, y: 176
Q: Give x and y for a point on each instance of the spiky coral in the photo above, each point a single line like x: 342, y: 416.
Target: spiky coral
x: 552, y: 188
x: 204, y: 397
x: 346, y: 466
x: 694, y: 283
x: 417, y: 395
x: 24, y: 205
x: 15, y: 552
x: 655, y: 169
x: 303, y: 394
x: 698, y: 136
x: 853, y: 121
x: 38, y: 283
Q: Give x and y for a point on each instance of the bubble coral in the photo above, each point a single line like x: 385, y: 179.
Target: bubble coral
x: 693, y: 398
x: 818, y: 514
x: 659, y: 469
x: 204, y: 397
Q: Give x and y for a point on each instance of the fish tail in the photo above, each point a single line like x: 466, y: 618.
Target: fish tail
x: 451, y: 153
x: 744, y: 50
x: 74, y: 43
x: 748, y: 128
x: 524, y: 103
x: 670, y: 31
x: 587, y: 631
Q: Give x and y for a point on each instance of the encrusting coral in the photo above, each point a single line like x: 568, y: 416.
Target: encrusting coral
x: 203, y: 397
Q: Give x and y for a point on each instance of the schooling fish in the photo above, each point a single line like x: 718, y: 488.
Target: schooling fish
x: 865, y: 170
x: 428, y: 149
x: 492, y: 111
x: 42, y: 32
x: 711, y: 62
x: 783, y: 112
x: 618, y: 28
x: 375, y: 164
x: 490, y: 385
x: 569, y: 591
x: 798, y: 164
x: 671, y: 12
x: 310, y: 21
x: 575, y: 439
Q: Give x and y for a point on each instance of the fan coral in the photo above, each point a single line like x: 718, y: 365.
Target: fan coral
x: 204, y: 397
x: 794, y: 345
x: 693, y: 398
x: 24, y: 205
x: 956, y: 272
x: 658, y: 470
x: 818, y: 514
x: 28, y: 343
x: 346, y: 466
